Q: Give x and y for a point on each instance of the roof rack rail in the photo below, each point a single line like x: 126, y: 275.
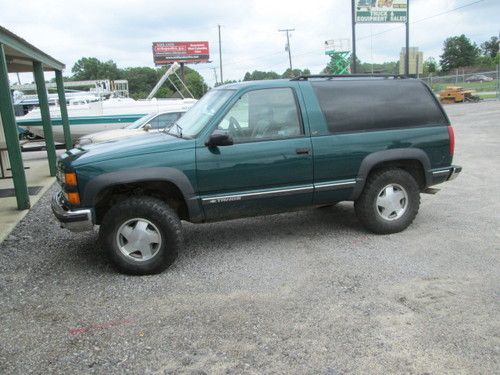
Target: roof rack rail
x: 329, y: 76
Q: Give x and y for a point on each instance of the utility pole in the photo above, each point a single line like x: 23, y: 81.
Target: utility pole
x: 353, y: 15
x: 407, y: 57
x: 220, y: 57
x: 215, y: 73
x: 288, y: 45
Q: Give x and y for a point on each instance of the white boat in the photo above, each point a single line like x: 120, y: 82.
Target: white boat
x: 87, y: 117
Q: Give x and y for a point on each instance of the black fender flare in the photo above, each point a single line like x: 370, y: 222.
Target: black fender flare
x: 166, y: 174
x: 395, y: 154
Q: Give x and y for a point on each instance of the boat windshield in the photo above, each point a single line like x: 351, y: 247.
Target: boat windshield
x: 142, y: 121
x: 198, y: 116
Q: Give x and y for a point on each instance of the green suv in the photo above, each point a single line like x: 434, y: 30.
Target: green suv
x: 256, y: 148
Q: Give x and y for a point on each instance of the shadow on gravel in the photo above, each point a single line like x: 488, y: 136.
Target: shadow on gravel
x: 81, y: 254
x: 339, y: 220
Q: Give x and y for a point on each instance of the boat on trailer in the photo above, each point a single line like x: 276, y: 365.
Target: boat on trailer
x: 87, y: 116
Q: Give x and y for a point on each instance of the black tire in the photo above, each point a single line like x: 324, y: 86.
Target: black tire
x: 163, y: 222
x: 367, y: 209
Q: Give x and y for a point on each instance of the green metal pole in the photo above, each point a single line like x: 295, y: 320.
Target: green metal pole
x: 64, y: 110
x: 12, y: 137
x: 44, y: 111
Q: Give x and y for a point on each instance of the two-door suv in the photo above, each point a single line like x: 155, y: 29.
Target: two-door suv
x: 261, y: 147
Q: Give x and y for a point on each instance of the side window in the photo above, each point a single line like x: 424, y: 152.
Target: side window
x: 165, y: 120
x: 372, y: 105
x: 154, y: 122
x: 263, y: 114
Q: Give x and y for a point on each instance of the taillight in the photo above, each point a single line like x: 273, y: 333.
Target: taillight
x: 451, y: 134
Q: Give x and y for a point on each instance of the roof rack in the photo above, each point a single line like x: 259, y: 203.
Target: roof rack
x: 330, y: 76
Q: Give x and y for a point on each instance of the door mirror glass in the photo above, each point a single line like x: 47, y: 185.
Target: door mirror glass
x: 219, y: 138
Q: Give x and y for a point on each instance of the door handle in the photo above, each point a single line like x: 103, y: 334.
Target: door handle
x: 302, y: 151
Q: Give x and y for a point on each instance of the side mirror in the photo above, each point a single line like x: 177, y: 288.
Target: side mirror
x: 147, y: 127
x: 219, y: 138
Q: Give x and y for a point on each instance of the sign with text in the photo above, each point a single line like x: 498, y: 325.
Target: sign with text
x: 381, y: 11
x: 182, y: 52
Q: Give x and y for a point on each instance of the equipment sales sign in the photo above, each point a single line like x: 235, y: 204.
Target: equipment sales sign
x: 381, y: 11
x: 181, y: 52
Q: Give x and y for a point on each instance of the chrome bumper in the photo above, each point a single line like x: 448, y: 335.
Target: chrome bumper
x: 447, y: 174
x: 455, y: 171
x: 75, y: 221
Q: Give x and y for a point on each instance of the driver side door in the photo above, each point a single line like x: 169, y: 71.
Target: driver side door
x: 268, y: 168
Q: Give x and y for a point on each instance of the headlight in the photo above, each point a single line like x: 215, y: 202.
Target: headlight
x: 70, y: 187
x: 70, y: 179
x: 84, y: 141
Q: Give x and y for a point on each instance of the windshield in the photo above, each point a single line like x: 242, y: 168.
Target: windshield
x: 138, y: 123
x: 200, y: 114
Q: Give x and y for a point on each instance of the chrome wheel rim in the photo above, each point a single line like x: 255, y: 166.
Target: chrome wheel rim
x: 138, y: 239
x: 392, y: 202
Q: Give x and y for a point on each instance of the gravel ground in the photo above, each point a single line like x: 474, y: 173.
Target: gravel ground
x: 305, y: 292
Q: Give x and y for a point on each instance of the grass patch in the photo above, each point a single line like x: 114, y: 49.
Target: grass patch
x: 478, y: 86
x: 487, y: 96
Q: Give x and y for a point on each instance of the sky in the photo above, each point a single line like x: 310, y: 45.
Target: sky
x: 123, y: 30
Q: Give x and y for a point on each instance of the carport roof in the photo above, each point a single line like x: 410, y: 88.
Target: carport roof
x: 20, y: 54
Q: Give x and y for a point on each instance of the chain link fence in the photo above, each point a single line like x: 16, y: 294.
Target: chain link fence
x: 485, y: 84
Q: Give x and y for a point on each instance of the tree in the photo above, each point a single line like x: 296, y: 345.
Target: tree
x: 141, y: 80
x: 388, y: 67
x: 295, y: 73
x: 195, y: 82
x: 227, y: 81
x: 258, y: 75
x: 88, y: 68
x: 458, y: 52
x: 490, y: 47
x: 430, y: 65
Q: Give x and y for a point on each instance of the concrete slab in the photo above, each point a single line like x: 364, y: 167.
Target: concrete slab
x: 37, y: 174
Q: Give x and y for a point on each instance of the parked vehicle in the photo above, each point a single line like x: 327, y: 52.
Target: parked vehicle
x: 478, y: 78
x: 261, y: 147
x: 153, y: 122
x: 457, y: 94
x: 89, y: 117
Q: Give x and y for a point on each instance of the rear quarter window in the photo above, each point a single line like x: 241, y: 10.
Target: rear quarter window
x: 363, y: 105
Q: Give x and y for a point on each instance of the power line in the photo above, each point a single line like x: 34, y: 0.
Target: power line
x: 422, y: 19
x: 233, y: 62
x: 398, y: 27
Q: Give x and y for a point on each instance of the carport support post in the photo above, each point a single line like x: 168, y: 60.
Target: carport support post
x: 44, y: 111
x: 12, y: 136
x: 64, y: 110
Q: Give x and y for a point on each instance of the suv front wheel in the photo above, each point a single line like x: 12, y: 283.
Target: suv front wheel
x: 141, y: 235
x: 389, y: 201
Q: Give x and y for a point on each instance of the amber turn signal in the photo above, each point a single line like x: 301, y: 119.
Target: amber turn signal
x: 73, y: 198
x: 70, y: 178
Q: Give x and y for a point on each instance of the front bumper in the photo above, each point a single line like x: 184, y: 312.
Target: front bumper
x: 75, y: 221
x: 447, y: 174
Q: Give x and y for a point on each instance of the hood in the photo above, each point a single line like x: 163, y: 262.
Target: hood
x: 149, y: 143
x: 109, y: 135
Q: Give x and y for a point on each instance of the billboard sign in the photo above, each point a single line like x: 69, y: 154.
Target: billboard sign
x: 182, y: 52
x: 381, y: 11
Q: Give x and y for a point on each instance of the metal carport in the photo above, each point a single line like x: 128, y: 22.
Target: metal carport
x: 17, y: 55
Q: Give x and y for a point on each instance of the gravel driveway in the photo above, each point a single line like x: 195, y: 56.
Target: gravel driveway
x: 308, y: 292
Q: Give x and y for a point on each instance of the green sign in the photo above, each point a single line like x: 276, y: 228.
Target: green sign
x: 381, y: 11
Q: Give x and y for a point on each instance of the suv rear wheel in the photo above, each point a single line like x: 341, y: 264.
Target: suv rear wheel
x: 389, y: 202
x: 141, y: 235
